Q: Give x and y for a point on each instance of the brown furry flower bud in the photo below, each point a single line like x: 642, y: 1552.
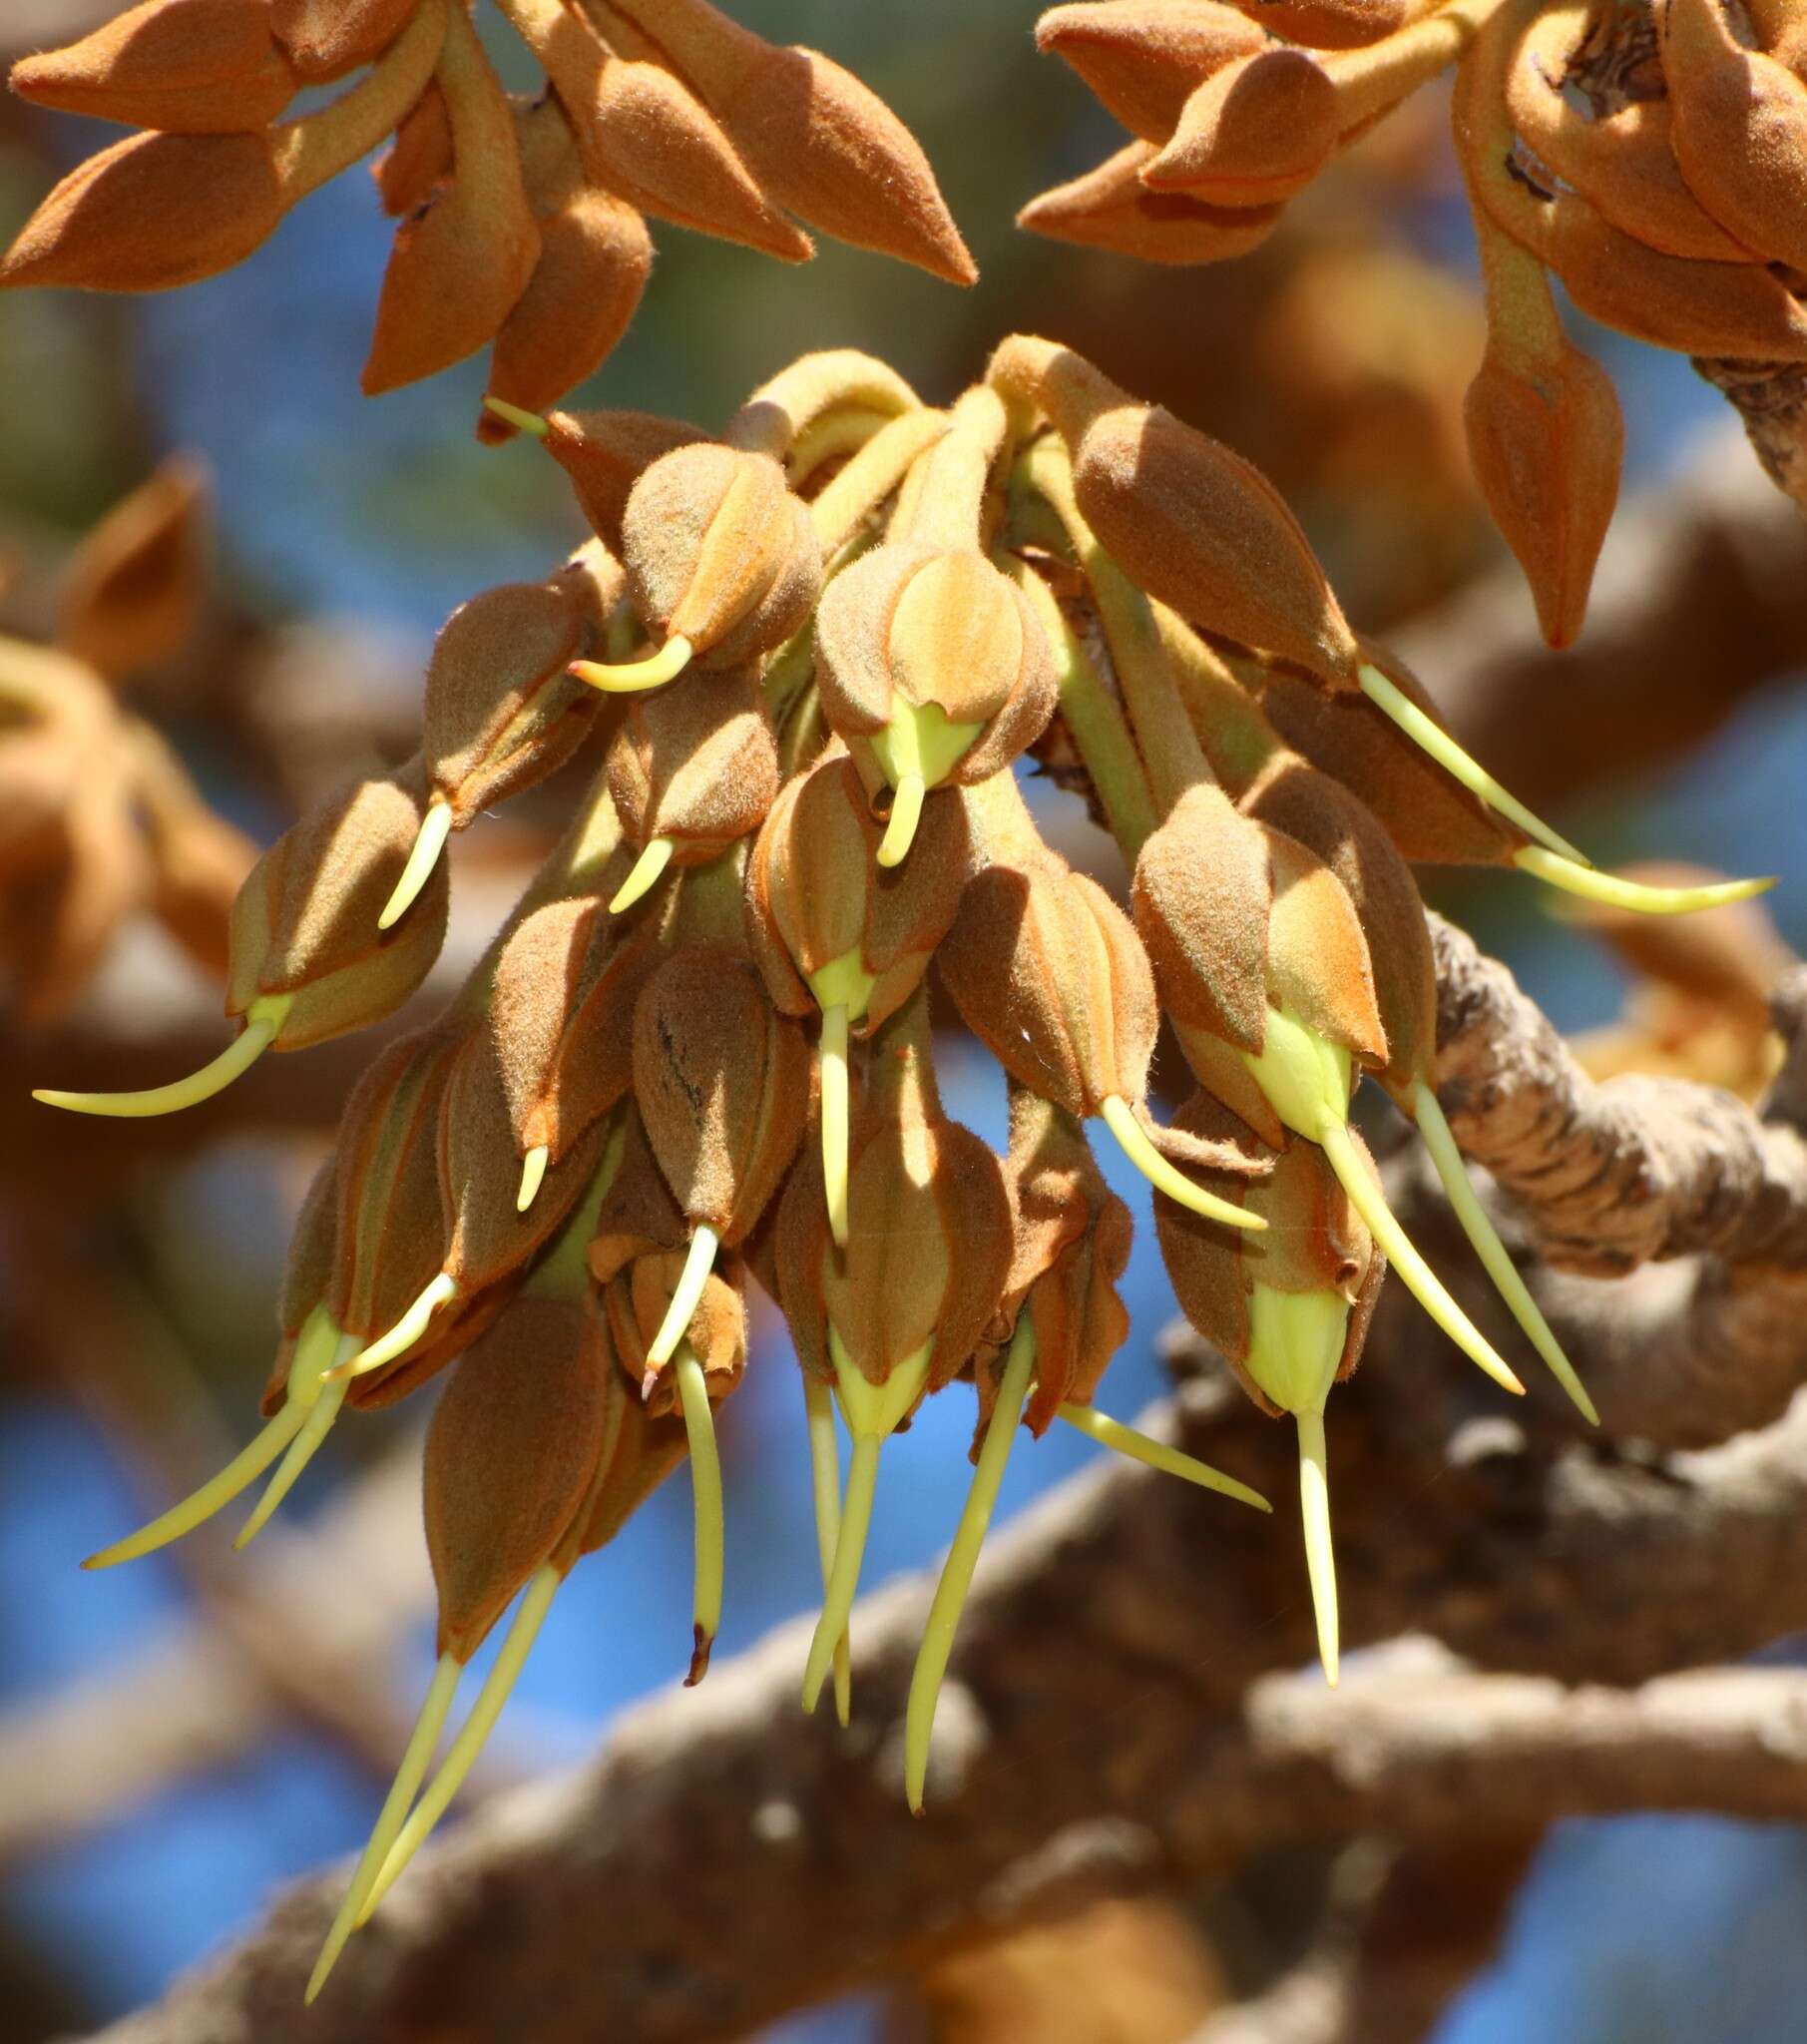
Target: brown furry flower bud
x: 932, y: 665
x: 723, y: 1085
x: 1336, y: 24
x: 502, y: 709
x: 1071, y: 1241
x: 1193, y: 525
x: 1145, y: 59
x: 326, y: 38
x: 929, y: 1241
x: 818, y: 903
x: 306, y: 922
x: 461, y: 263
x: 1254, y: 133
x: 561, y: 1012
x: 636, y: 1300
x: 150, y: 213
x: 512, y: 1457
x: 1740, y: 129
x: 603, y: 454
x: 188, y: 67
x: 695, y: 765
x: 719, y: 553
x: 1112, y: 207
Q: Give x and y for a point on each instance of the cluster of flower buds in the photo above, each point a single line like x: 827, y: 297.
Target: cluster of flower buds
x: 818, y: 647
x: 99, y: 820
x: 1653, y: 157
x: 520, y: 220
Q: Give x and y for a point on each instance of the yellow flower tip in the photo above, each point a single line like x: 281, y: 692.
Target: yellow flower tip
x: 825, y: 1493
x: 843, y: 1577
x: 302, y: 1451
x: 685, y: 1299
x: 1637, y: 897
x: 435, y: 829
x: 645, y: 877
x: 533, y: 1175
x: 628, y: 677
x: 259, y: 1033
x: 1366, y: 1197
x: 1119, y: 1118
x: 400, y: 1337
x: 1141, y: 1447
x: 906, y: 814
x: 703, y: 1646
x: 1440, y: 1141
x: 518, y: 415
x: 1429, y: 738
x: 1320, y: 1556
x: 835, y: 1116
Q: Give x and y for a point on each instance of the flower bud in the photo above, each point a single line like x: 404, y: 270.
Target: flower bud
x: 188, y: 67
x: 326, y: 38
x: 692, y: 770
x: 1145, y: 60
x: 512, y: 1457
x: 150, y: 213
x: 723, y: 1085
x: 719, y: 553
x: 603, y: 454
x: 1253, y: 134
x: 1336, y: 24
x: 135, y: 588
x: 1741, y: 130
x: 932, y: 667
x: 638, y: 1299
x: 1113, y: 208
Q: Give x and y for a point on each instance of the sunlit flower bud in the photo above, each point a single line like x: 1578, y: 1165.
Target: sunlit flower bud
x: 189, y: 67
x: 1741, y: 130
x: 1145, y: 59
x: 1254, y: 133
x: 1112, y: 207
x: 691, y: 770
x: 1048, y: 974
x: 327, y: 38
x: 458, y: 265
x: 834, y: 930
x: 560, y: 1014
x: 500, y: 709
x: 719, y: 553
x: 603, y: 453
x: 817, y: 140
x: 1192, y: 523
x: 417, y: 159
x: 151, y: 213
x: 1336, y: 24
x: 932, y: 667
x: 1287, y: 1309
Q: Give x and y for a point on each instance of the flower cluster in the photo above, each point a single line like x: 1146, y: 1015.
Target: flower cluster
x: 1653, y: 156
x: 99, y: 820
x: 813, y: 653
x: 520, y: 220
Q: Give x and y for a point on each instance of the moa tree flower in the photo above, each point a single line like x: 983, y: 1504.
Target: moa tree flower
x: 855, y: 614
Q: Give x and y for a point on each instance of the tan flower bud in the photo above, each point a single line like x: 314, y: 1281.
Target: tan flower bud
x: 460, y: 265
x: 326, y: 38
x: 1070, y: 1240
x: 636, y: 1300
x: 1112, y: 207
x: 419, y: 157
x: 189, y: 67
x: 1144, y: 60
x: 1193, y: 525
x: 693, y: 769
x: 512, y: 1457
x: 1254, y: 133
x: 719, y: 553
x: 305, y: 927
x: 150, y: 213
x: 932, y: 668
x: 821, y: 911
x: 1741, y: 130
x: 723, y: 1085
x: 134, y: 590
x: 561, y: 1013
x: 1336, y: 24
x: 638, y: 1215
x: 603, y: 453
x: 815, y: 139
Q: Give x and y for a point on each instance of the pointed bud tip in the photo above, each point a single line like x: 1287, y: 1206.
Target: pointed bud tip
x: 518, y: 417
x: 699, y: 1656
